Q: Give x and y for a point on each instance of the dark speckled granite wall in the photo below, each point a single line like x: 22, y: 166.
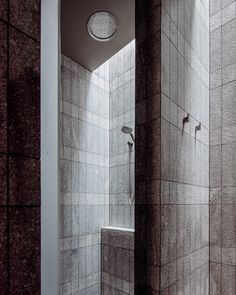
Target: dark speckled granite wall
x: 20, y: 147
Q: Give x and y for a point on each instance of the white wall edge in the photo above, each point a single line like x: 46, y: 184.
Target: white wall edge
x: 50, y: 49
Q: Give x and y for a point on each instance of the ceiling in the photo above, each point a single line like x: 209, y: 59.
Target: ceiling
x: 76, y: 41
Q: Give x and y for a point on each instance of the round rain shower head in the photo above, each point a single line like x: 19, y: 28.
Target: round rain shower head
x: 127, y: 130
x: 102, y: 26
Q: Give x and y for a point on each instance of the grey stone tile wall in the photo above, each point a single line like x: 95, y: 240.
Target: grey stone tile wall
x: 222, y: 146
x: 184, y: 152
x: 122, y: 103
x: 117, y: 261
x: 172, y: 159
x: 84, y: 172
x: 96, y: 166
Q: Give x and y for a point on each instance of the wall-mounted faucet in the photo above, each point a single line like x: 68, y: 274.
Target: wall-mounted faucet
x: 186, y: 119
x: 198, y: 127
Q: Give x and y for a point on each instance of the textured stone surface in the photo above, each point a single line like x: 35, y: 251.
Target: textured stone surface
x: 3, y: 180
x: 19, y: 134
x: 228, y: 279
x: 184, y: 153
x: 25, y: 16
x: 228, y: 104
x: 215, y: 116
x: 3, y: 251
x: 3, y: 87
x: 222, y: 149
x: 177, y: 156
x: 24, y: 250
x: 3, y: 9
x: 84, y: 170
x: 228, y: 48
x: 117, y: 261
x: 215, y: 166
x: 215, y: 50
x: 24, y: 95
x: 229, y: 164
x: 121, y: 155
x: 23, y: 188
x: 95, y: 169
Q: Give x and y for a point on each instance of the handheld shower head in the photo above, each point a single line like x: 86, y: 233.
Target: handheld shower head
x: 128, y: 130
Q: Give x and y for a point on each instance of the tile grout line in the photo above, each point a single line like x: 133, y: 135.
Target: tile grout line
x: 160, y: 122
x: 146, y: 145
x: 209, y: 174
x: 221, y: 159
x: 8, y: 180
x: 15, y: 28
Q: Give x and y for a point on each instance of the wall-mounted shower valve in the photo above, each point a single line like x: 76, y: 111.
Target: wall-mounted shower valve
x: 198, y: 127
x: 186, y: 119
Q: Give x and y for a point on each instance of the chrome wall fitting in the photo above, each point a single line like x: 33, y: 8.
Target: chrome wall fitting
x: 186, y: 119
x: 198, y: 127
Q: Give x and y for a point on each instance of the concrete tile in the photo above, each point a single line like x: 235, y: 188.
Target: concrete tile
x: 215, y: 21
x: 215, y: 166
x: 229, y: 73
x: 228, y: 162
x: 215, y: 116
x: 228, y: 279
x: 229, y: 104
x: 228, y: 48
x: 215, y: 50
x: 228, y: 13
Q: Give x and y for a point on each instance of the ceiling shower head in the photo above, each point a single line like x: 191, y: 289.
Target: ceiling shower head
x: 102, y: 26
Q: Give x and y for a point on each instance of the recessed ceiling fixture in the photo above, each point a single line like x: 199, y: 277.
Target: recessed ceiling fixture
x: 102, y: 26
